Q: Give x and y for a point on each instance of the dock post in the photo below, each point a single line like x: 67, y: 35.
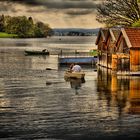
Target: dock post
x: 61, y: 52
x: 92, y: 63
x: 75, y: 52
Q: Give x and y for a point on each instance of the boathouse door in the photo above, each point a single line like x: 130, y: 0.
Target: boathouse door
x: 123, y: 64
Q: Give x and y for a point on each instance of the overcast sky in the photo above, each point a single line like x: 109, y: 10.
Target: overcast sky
x: 57, y: 13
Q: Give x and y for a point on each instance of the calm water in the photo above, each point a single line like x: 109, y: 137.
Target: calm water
x: 36, y: 103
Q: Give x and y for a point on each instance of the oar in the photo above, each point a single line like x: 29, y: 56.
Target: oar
x: 51, y: 69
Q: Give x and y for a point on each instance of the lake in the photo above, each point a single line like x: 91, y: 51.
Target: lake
x: 36, y: 103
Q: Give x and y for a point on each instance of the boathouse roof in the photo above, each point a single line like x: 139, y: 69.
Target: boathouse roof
x: 131, y: 35
x: 105, y: 32
x: 102, y: 32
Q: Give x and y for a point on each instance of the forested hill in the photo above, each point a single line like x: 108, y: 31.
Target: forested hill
x: 75, y: 32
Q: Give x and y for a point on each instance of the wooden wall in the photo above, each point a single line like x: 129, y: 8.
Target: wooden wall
x: 135, y: 60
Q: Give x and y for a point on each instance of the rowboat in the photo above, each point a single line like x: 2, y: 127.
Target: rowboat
x: 36, y: 52
x: 78, y: 75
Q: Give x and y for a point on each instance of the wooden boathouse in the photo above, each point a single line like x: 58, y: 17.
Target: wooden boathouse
x: 119, y: 50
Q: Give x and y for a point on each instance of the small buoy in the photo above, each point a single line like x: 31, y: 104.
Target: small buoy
x: 48, y: 83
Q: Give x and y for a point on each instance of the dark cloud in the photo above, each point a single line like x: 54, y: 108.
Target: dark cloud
x: 60, y: 4
x: 33, y: 2
x: 36, y: 10
x: 57, y: 13
x: 79, y: 12
x: 5, y: 8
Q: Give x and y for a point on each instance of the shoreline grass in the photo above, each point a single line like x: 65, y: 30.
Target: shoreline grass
x: 6, y: 35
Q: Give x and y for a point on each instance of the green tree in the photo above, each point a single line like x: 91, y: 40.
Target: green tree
x: 118, y: 12
x: 42, y: 30
x: 21, y: 26
x: 24, y: 27
x: 136, y: 24
x: 31, y: 29
x: 1, y: 23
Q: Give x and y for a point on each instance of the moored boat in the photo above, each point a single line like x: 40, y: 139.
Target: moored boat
x: 36, y: 52
x: 79, y: 75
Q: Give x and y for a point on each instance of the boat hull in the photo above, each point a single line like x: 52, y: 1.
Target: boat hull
x: 36, y: 52
x: 78, y: 75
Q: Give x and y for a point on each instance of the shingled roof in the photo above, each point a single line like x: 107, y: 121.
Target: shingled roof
x: 132, y: 37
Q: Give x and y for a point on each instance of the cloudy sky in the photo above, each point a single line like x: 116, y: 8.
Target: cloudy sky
x: 57, y: 13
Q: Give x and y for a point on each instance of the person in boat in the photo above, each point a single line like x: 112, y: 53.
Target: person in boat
x: 76, y: 68
x: 44, y: 50
x: 71, y: 66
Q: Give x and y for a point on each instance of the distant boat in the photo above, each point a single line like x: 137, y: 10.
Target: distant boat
x: 78, y: 75
x: 36, y: 52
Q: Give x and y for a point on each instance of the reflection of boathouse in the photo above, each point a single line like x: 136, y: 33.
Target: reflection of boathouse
x: 119, y: 49
x: 121, y: 91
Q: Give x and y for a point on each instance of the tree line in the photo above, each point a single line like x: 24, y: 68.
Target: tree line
x: 24, y: 27
x: 124, y: 13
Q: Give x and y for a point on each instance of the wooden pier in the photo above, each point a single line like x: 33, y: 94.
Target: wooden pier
x: 79, y: 57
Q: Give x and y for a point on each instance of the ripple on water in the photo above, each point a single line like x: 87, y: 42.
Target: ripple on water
x: 40, y: 104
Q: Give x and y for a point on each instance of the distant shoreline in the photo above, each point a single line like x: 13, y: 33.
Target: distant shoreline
x: 59, y: 32
x: 14, y: 36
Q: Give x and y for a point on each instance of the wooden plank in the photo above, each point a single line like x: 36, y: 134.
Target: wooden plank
x: 126, y: 38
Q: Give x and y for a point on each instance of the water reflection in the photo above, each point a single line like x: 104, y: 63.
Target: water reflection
x: 134, y: 96
x: 122, y: 92
x: 75, y: 83
x: 36, y: 103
